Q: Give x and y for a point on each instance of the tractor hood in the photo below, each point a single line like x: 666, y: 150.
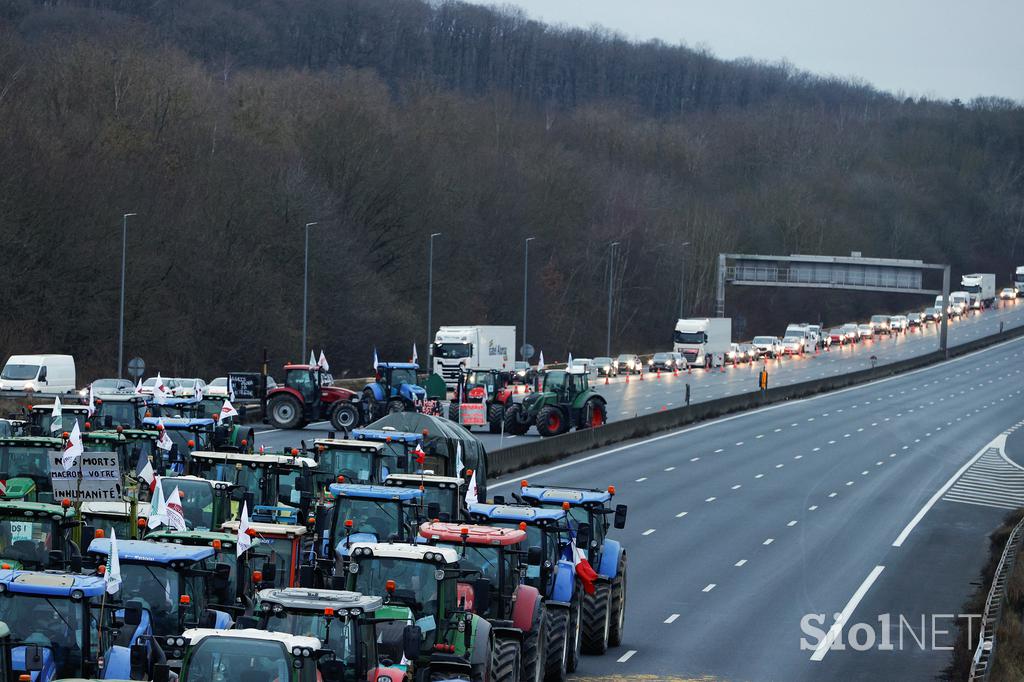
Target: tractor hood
x: 412, y: 393
x: 18, y: 488
x: 337, y: 393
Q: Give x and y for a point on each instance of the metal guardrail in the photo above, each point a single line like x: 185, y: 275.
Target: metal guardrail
x: 984, y: 654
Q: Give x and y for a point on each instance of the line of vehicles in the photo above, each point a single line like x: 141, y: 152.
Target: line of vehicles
x: 376, y: 554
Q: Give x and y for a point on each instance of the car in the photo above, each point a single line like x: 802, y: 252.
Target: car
x: 769, y: 346
x: 664, y: 362
x: 1008, y: 293
x: 218, y: 387
x: 523, y: 373
x: 793, y: 345
x: 865, y: 331
x: 606, y: 367
x: 852, y: 331
x: 629, y: 364
x: 881, y: 324
x: 898, y: 323
x: 931, y: 315
x: 822, y: 339
x: 583, y: 364
x: 681, y: 361
x: 105, y: 387
x: 751, y: 351
x: 838, y: 336
x: 915, y: 320
x: 735, y: 355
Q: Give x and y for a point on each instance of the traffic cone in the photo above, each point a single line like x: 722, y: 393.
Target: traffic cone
x: 627, y: 377
x: 659, y: 373
x: 605, y: 379
x: 675, y: 371
x: 641, y: 374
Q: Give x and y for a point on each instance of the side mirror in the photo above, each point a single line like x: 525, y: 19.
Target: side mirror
x: 499, y: 499
x: 583, y: 536
x: 208, y: 619
x: 403, y: 463
x: 481, y: 596
x: 412, y: 638
x: 307, y: 575
x: 88, y: 533
x: 33, y: 658
x: 108, y: 422
x: 56, y: 557
x: 42, y: 374
x: 161, y: 672
x: 331, y: 669
x: 620, y: 516
x: 269, y: 573
x: 433, y: 510
x: 247, y: 623
x: 139, y: 660
x: 133, y: 612
x: 534, y: 556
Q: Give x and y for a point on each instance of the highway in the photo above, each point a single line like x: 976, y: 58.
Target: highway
x: 627, y: 400
x: 867, y: 501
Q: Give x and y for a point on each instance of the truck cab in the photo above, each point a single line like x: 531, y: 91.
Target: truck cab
x: 704, y: 342
x: 458, y: 348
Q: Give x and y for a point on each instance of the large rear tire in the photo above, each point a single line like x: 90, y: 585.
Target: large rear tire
x: 575, y: 628
x: 532, y: 655
x: 395, y: 406
x: 515, y: 421
x: 345, y: 417
x: 597, y: 619
x: 551, y: 421
x: 594, y: 413
x: 495, y: 415
x: 618, y: 605
x: 285, y: 412
x: 506, y: 661
x: 556, y: 644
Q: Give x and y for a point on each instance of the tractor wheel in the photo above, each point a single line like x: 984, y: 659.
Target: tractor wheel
x: 369, y: 406
x: 594, y: 413
x: 285, y: 412
x: 618, y: 615
x: 395, y: 406
x: 453, y: 412
x: 575, y: 628
x: 556, y: 644
x: 551, y: 421
x: 495, y: 415
x: 533, y: 650
x: 597, y: 619
x: 505, y: 661
x: 345, y: 417
x: 516, y: 423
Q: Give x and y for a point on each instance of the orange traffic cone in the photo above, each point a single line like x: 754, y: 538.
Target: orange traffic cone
x: 605, y: 379
x: 627, y: 377
x: 675, y: 371
x: 659, y: 373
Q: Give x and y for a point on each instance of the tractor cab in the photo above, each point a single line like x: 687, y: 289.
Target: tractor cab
x: 280, y: 485
x: 228, y: 589
x: 13, y: 426
x: 278, y: 550
x: 126, y: 411
x: 566, y: 384
x: 206, y: 502
x: 175, y: 408
x: 371, y: 513
x: 43, y: 423
x: 421, y: 583
x: 345, y: 623
x: 131, y: 444
x: 398, y: 445
x: 443, y: 496
x: 359, y: 461
x: 250, y: 655
x: 25, y: 467
x: 169, y: 579
x: 111, y: 441
x: 308, y: 394
x: 125, y: 518
x: 566, y: 401
x: 186, y: 434
x: 38, y: 536
x: 585, y: 506
x: 394, y: 389
x: 65, y: 626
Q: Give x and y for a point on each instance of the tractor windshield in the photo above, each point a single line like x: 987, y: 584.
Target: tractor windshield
x: 382, y: 518
x: 415, y: 585
x: 446, y: 498
x: 107, y: 523
x: 282, y: 553
x: 302, y: 381
x: 403, y: 376
x: 237, y: 658
x: 534, y: 538
x: 28, y: 462
x: 355, y: 465
x: 121, y: 413
x: 451, y: 351
x: 343, y: 636
x: 27, y: 540
x: 160, y: 589
x: 556, y: 381
x: 256, y: 479
x: 196, y: 501
x: 485, y: 379
x: 53, y: 623
x: 65, y: 422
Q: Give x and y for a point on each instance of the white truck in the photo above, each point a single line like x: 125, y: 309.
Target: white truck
x: 703, y: 341
x: 1018, y: 280
x: 982, y: 288
x: 39, y: 373
x: 486, y: 347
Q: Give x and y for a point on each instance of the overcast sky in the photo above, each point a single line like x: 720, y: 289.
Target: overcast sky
x: 936, y: 48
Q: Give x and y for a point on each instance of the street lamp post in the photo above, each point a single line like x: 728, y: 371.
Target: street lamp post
x: 124, y: 255
x: 305, y: 293
x: 682, y: 277
x: 526, y: 272
x: 611, y: 277
x: 430, y: 303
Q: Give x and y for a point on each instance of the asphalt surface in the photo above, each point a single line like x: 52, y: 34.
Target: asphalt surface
x: 868, y: 501
x: 627, y: 400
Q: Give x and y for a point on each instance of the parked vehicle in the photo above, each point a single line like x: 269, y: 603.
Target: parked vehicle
x: 629, y: 364
x: 703, y: 341
x: 1018, y: 280
x: 102, y: 388
x: 961, y: 302
x: 458, y: 348
x: 865, y: 331
x: 394, y: 389
x: 800, y: 331
x: 852, y: 331
x: 606, y: 367
x: 932, y: 314
x: 582, y: 364
x: 1008, y: 293
x: 664, y: 362
x: 770, y: 346
x: 39, y: 373
x: 880, y: 324
x: 736, y: 354
x: 898, y: 323
x: 981, y: 287
x: 915, y: 320
x: 793, y: 345
x: 492, y: 387
x: 751, y: 351
x: 838, y: 336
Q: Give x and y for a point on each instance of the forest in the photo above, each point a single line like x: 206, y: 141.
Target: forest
x: 227, y: 125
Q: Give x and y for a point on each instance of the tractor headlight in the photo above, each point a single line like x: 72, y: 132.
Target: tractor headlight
x: 169, y: 642
x: 439, y: 575
x: 180, y: 641
x: 296, y: 651
x: 77, y: 595
x: 353, y: 567
x: 354, y: 612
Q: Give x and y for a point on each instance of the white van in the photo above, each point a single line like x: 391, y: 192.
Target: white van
x: 39, y: 373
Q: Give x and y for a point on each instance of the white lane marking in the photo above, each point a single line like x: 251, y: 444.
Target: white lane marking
x: 740, y: 443
x: 832, y: 494
x: 849, y: 483
x: 791, y: 524
x: 671, y: 619
x: 718, y: 450
x: 737, y: 486
x: 777, y: 430
x: 740, y: 562
x: 626, y: 656
x: 641, y: 479
x: 768, y: 541
x: 711, y: 499
x: 681, y: 515
x: 710, y: 587
x: 997, y: 442
x: 864, y: 473
x: 812, y: 507
x: 779, y: 466
x: 831, y: 442
x: 648, y: 531
x: 759, y: 476
x: 670, y: 468
x: 812, y: 450
x: 798, y: 456
x: 830, y: 637
x: 694, y: 459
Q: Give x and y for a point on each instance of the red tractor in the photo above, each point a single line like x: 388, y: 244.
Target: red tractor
x: 308, y: 395
x: 492, y: 387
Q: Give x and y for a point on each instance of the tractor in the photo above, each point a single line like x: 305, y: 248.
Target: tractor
x: 278, y: 550
x: 359, y: 461
x: 25, y: 467
x: 492, y: 387
x: 565, y: 401
x: 206, y: 502
x: 555, y: 576
x: 423, y: 584
x: 126, y: 518
x: 66, y: 626
x: 39, y: 536
x: 345, y: 622
x: 371, y: 513
x: 280, y: 486
x: 394, y: 389
x: 443, y: 496
x: 604, y: 611
x: 41, y: 420
x: 186, y: 435
x: 493, y: 564
x: 126, y: 411
x: 308, y: 396
x: 228, y: 590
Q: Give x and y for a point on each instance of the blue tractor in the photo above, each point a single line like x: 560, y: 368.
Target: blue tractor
x: 393, y: 390
x: 372, y: 513
x: 63, y: 627
x: 555, y: 577
x: 604, y: 611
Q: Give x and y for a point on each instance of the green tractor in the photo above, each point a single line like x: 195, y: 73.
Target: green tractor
x: 565, y: 401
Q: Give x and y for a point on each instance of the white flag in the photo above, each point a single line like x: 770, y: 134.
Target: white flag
x: 138, y: 388
x: 375, y: 362
x: 173, y: 510
x: 322, y: 362
x: 92, y: 402
x: 458, y: 458
x: 198, y: 394
x: 112, y: 577
x: 312, y: 359
x: 163, y: 441
x: 243, y: 542
x: 471, y: 491
x: 56, y: 425
x: 159, y: 391
x: 415, y: 356
x: 227, y: 411
x: 73, y: 449
x: 569, y: 363
x: 540, y: 363
x: 158, y: 508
